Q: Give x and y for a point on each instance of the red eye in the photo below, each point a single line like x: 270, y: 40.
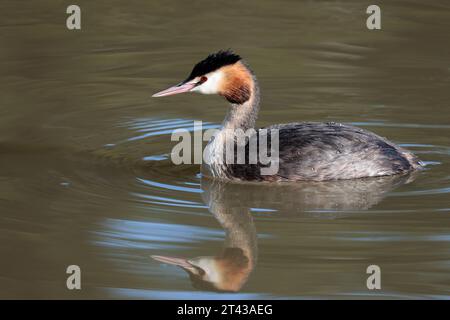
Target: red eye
x: 203, y: 79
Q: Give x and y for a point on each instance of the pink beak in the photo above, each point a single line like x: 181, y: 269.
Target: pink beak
x: 179, y: 88
x: 183, y: 263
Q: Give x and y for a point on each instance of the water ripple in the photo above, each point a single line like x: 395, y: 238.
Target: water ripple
x: 168, y: 186
x: 151, y: 235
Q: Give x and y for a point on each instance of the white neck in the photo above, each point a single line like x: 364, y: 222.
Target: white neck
x: 240, y: 116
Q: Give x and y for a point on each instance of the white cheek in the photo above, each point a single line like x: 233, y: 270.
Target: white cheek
x: 210, y: 267
x: 212, y: 85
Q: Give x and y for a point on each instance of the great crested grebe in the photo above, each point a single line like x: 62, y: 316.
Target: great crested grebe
x: 307, y: 150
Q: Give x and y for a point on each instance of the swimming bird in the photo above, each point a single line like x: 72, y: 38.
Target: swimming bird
x: 306, y: 150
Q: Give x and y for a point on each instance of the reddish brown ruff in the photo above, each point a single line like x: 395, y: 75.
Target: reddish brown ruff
x: 236, y: 86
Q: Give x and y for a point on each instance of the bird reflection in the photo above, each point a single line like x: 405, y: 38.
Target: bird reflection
x: 231, y: 204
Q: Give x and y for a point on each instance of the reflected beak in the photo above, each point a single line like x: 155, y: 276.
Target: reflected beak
x: 183, y: 263
x: 179, y: 88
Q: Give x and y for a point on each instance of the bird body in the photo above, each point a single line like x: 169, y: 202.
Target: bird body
x: 322, y: 151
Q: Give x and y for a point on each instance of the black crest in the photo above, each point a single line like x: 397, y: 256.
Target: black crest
x: 213, y: 62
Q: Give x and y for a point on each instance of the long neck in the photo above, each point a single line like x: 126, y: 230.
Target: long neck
x: 244, y: 99
x: 243, y: 115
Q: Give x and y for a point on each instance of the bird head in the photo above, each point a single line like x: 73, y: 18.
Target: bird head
x: 221, y: 73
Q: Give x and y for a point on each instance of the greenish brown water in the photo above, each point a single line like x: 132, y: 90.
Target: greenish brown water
x: 85, y: 172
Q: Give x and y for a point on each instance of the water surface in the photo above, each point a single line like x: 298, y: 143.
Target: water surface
x: 85, y: 170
